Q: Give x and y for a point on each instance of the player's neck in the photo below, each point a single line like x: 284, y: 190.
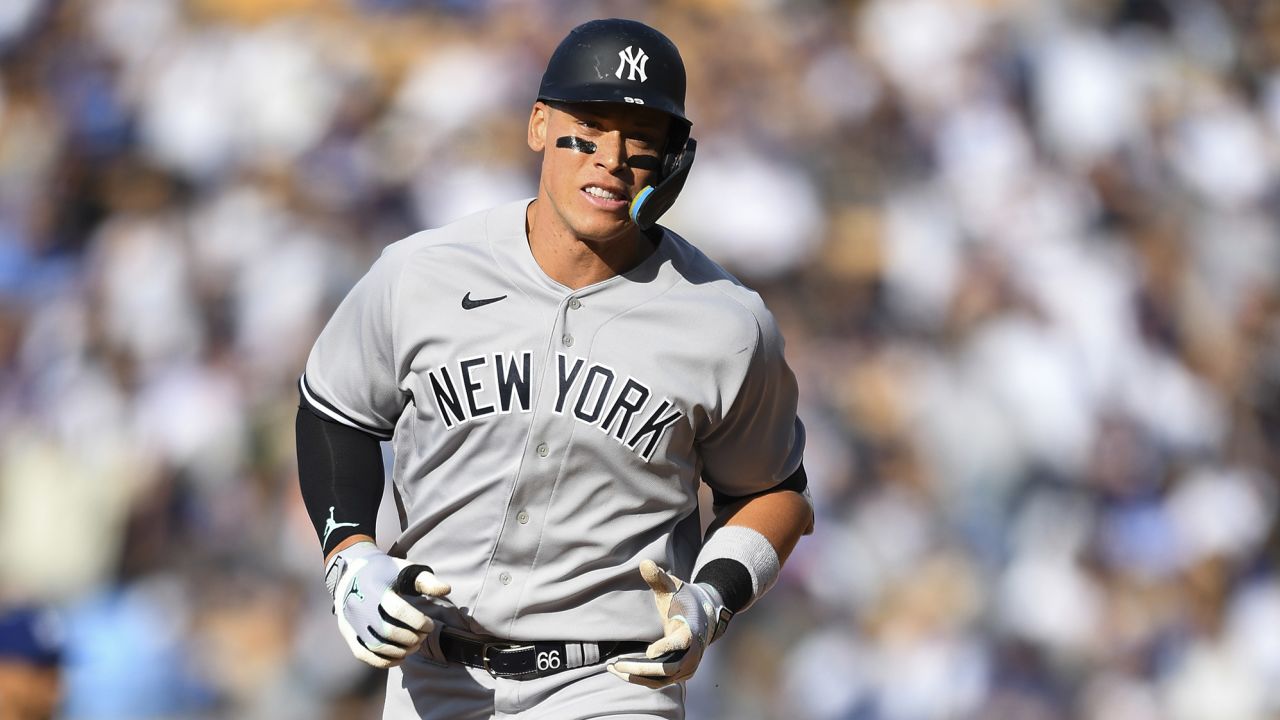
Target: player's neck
x: 573, y: 261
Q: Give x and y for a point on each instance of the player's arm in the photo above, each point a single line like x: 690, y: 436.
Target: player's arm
x: 739, y: 562
x: 350, y: 399
x: 782, y: 517
x: 750, y: 538
x: 752, y: 461
x: 340, y: 475
x: 346, y: 543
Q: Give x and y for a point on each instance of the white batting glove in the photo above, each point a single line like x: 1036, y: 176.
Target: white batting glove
x: 693, y: 615
x: 367, y: 586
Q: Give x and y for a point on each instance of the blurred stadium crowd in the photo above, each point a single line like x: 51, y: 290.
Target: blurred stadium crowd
x: 1025, y: 255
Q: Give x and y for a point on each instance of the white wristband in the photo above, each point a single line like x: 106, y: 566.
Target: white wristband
x: 749, y: 547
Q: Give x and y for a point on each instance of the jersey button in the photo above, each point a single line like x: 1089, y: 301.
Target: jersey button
x: 505, y: 578
x: 523, y: 517
x: 567, y: 340
x: 543, y: 450
x: 574, y: 303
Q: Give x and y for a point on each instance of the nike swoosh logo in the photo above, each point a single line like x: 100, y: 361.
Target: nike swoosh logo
x: 469, y: 304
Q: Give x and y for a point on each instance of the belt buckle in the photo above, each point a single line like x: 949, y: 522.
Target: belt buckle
x: 484, y: 655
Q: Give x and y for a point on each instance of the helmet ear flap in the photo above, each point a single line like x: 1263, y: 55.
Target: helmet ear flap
x: 676, y: 146
x: 649, y: 204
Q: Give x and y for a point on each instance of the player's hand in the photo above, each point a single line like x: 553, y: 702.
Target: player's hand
x: 368, y: 586
x: 692, y: 616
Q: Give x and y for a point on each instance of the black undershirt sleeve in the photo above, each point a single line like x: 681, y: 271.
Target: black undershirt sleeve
x: 341, y: 476
x: 798, y: 481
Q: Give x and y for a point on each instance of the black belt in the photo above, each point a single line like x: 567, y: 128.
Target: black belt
x: 525, y: 661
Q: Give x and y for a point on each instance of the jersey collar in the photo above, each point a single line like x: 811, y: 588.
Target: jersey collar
x: 505, y: 228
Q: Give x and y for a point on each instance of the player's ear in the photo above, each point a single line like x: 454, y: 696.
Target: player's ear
x: 538, y: 119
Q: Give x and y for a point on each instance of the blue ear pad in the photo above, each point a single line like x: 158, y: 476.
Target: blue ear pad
x: 638, y: 201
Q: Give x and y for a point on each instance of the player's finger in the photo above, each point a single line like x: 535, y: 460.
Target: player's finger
x: 642, y: 668
x: 394, y: 633
x: 421, y: 580
x: 677, y: 641
x: 370, y: 659
x: 380, y: 645
x: 657, y: 578
x: 426, y: 583
x: 412, y: 618
x: 388, y: 651
x: 613, y: 668
x: 408, y: 574
x: 367, y: 656
x: 649, y: 682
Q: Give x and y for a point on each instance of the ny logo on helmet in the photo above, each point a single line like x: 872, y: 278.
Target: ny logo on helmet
x: 636, y: 60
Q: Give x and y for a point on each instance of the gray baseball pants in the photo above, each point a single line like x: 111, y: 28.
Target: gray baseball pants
x: 426, y: 687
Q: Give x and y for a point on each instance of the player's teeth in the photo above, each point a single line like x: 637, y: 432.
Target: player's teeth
x: 602, y: 193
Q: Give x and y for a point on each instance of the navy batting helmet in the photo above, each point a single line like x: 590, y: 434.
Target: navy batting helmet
x: 620, y: 61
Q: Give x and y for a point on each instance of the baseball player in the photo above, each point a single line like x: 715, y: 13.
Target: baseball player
x: 557, y: 376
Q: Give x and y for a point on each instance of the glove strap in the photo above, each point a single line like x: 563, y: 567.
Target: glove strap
x: 333, y: 573
x: 720, y: 623
x: 338, y: 565
x: 719, y: 616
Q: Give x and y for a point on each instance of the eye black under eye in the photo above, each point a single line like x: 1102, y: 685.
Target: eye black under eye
x: 644, y: 162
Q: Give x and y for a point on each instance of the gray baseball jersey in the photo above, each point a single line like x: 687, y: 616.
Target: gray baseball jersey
x: 547, y: 439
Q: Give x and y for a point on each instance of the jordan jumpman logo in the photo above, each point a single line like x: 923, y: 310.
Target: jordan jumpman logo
x: 331, y: 525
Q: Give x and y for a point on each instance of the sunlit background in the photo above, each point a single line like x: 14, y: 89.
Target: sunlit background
x: 1024, y: 254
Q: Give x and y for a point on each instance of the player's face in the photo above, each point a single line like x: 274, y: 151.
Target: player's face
x: 591, y: 191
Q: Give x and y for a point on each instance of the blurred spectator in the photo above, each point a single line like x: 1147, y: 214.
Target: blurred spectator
x: 1025, y: 255
x: 32, y: 641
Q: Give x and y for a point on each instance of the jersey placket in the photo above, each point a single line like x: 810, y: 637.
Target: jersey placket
x: 551, y: 431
